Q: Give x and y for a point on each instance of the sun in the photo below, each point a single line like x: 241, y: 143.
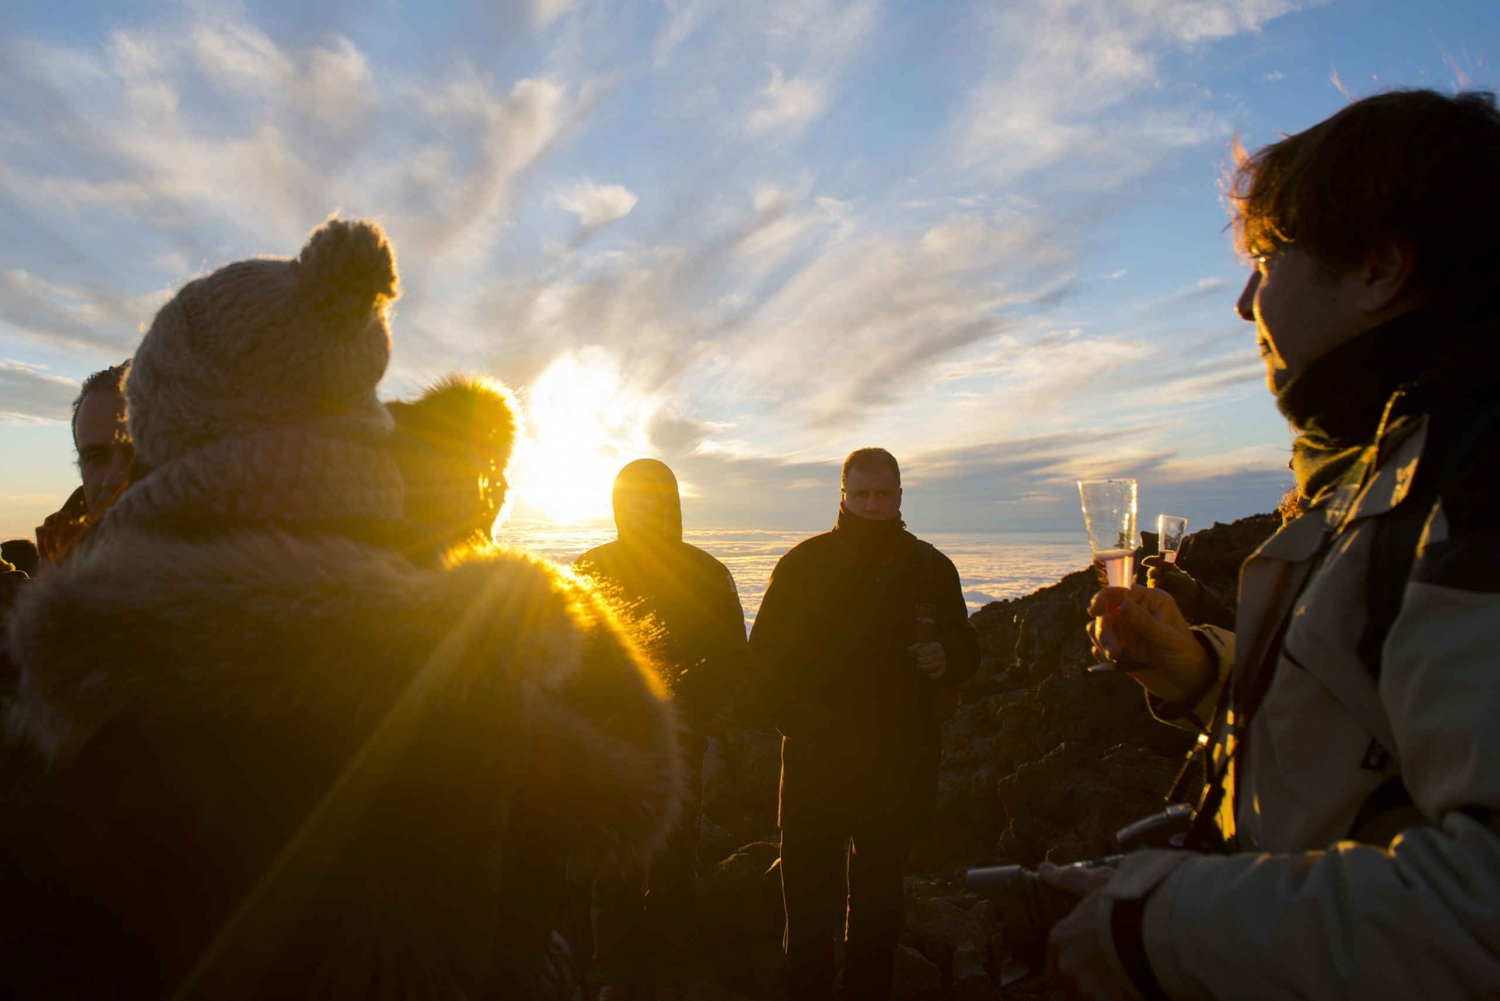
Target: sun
x: 580, y: 426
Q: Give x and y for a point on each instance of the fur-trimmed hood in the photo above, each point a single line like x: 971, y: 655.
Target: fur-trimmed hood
x: 452, y: 445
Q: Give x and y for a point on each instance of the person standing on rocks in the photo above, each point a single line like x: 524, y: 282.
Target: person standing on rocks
x: 860, y: 629
x: 1354, y: 759
x: 694, y: 626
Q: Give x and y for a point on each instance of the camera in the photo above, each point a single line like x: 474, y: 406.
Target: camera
x: 1028, y: 907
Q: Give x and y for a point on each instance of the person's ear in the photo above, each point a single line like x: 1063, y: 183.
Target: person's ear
x: 1385, y: 277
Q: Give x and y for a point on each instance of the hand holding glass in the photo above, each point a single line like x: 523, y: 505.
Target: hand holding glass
x: 1170, y: 531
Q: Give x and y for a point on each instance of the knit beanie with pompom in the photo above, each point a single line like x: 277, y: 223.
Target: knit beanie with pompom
x: 268, y: 343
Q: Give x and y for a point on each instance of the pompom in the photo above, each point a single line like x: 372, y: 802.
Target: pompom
x: 348, y: 269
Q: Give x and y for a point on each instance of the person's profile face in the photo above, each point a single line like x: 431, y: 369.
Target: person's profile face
x: 1300, y: 310
x: 104, y: 447
x: 872, y: 492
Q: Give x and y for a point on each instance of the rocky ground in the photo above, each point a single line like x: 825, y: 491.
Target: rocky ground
x: 1042, y: 759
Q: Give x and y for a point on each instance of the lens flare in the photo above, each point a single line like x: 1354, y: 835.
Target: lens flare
x: 580, y: 426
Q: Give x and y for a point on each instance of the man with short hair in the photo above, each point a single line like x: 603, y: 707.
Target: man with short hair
x: 859, y: 630
x: 1353, y: 756
x: 101, y: 439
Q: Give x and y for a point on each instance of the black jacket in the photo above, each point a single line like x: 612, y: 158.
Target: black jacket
x: 694, y: 625
x: 832, y: 671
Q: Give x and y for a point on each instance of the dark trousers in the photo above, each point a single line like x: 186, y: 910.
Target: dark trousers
x: 813, y: 870
x: 642, y: 919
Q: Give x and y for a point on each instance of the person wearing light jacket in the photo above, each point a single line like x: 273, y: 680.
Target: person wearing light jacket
x: 1352, y: 746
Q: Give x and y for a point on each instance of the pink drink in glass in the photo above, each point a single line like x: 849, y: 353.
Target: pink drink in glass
x: 1119, y: 566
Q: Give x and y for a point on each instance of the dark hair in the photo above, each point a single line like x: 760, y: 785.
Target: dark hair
x: 1412, y: 165
x: 113, y: 377
x: 868, y: 458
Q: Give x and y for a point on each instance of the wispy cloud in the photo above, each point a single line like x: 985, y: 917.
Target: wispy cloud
x: 787, y: 104
x: 94, y: 319
x: 28, y: 394
x: 1065, y: 73
x: 792, y: 283
x: 598, y: 204
x: 199, y: 139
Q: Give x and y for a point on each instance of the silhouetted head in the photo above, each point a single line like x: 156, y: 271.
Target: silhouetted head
x: 647, y: 504
x: 871, y: 484
x: 21, y: 554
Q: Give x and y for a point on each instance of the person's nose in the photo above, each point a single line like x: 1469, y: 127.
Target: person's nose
x: 1246, y: 304
x: 118, y: 471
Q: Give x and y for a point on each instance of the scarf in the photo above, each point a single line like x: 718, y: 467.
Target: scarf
x: 1337, y: 402
x: 864, y: 539
x: 325, y: 472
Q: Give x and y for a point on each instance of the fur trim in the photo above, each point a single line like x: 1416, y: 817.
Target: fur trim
x: 461, y: 410
x: 291, y: 630
x: 453, y: 445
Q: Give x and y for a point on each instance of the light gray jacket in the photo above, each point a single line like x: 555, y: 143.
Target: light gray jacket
x: 1301, y: 911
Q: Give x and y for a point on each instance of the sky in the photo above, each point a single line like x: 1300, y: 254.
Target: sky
x: 743, y: 236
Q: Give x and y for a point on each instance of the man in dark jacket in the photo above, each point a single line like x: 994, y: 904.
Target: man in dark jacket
x: 859, y: 629
x: 689, y: 618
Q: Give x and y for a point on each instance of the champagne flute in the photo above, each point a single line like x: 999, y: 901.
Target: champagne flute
x: 1170, y: 531
x: 1109, y: 509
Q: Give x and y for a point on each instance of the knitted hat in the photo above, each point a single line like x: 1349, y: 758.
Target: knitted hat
x: 268, y: 343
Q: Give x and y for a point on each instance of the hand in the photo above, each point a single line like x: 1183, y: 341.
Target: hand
x: 931, y: 660
x: 1076, y: 956
x: 1164, y: 655
x: 1169, y: 577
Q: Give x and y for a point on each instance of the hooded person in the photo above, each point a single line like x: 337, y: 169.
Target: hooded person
x: 687, y: 611
x: 284, y: 760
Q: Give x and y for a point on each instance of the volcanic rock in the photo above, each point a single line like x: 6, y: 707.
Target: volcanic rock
x: 916, y: 975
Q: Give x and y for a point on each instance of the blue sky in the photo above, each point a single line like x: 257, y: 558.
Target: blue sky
x: 743, y: 235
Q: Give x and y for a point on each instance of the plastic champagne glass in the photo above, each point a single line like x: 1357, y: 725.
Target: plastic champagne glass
x: 1109, y: 509
x: 1170, y: 531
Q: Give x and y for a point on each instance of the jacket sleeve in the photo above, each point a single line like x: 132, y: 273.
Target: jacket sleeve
x: 1420, y: 918
x: 1195, y: 718
x: 958, y: 636
x: 778, y: 655
x: 725, y: 649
